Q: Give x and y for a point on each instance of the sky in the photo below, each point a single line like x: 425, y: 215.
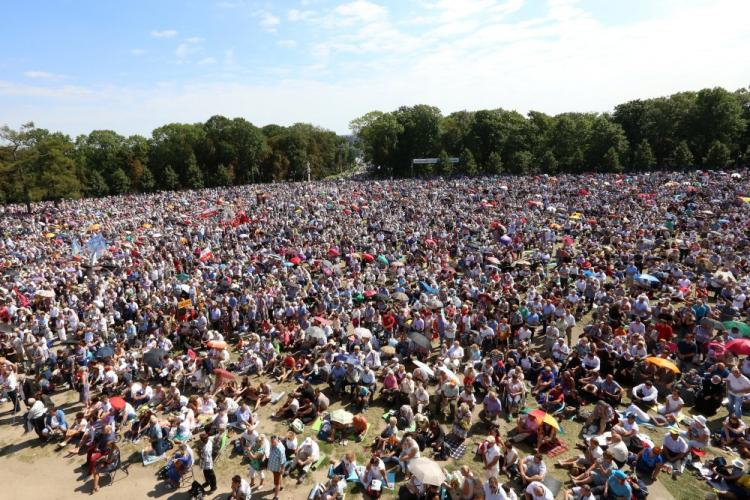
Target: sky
x: 131, y: 66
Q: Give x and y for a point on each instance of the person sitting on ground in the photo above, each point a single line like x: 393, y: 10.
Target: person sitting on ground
x: 240, y: 489
x: 308, y: 453
x: 346, y: 467
x: 289, y: 409
x: 582, y: 492
x: 374, y: 478
x: 536, y: 490
x: 592, y: 452
x: 180, y: 463
x: 76, y: 430
x: 732, y: 430
x: 334, y: 489
x: 674, y: 451
x: 597, y: 473
x: 648, y: 462
x: 388, y: 434
x: 532, y: 468
x: 602, y: 416
x: 55, y: 425
x: 645, y: 394
x: 546, y: 437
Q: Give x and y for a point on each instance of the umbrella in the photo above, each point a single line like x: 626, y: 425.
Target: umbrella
x: 505, y: 239
x: 104, y: 352
x: 342, y: 417
x: 363, y: 333
x: 740, y: 347
x: 397, y: 263
x: 47, y: 294
x: 493, y: 260
x: 315, y: 332
x: 117, y: 403
x: 742, y: 327
x: 225, y: 374
x: 420, y: 340
x: 647, y: 278
x: 450, y: 374
x: 400, y: 297
x: 217, y: 344
x: 663, y: 363
x: 434, y: 304
x: 153, y: 358
x: 383, y: 260
x: 426, y: 470
x: 424, y: 367
x: 367, y: 257
x: 545, y: 417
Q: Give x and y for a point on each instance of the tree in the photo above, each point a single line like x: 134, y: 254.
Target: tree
x: 169, y: 179
x: 494, y: 164
x: 718, y: 155
x: 549, y: 163
x: 520, y: 162
x: 444, y: 165
x: 466, y: 163
x: 223, y: 176
x: 643, y: 157
x: 19, y: 140
x: 119, y: 182
x: 94, y: 184
x: 682, y: 155
x: 146, y: 182
x: 611, y: 161
x: 193, y: 174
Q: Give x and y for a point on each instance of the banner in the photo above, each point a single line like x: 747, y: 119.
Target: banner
x: 185, y: 304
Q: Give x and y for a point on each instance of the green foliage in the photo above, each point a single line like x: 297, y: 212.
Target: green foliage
x: 520, y: 163
x: 494, y: 164
x: 146, y: 182
x: 466, y: 162
x: 193, y: 174
x: 223, y: 176
x: 444, y: 166
x: 643, y: 157
x: 718, y: 155
x: 119, y: 182
x: 611, y: 161
x: 170, y: 179
x: 549, y: 163
x: 683, y: 157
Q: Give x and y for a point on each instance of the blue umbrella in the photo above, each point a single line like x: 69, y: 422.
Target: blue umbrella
x: 647, y: 277
x: 427, y: 288
x: 104, y: 352
x: 588, y: 273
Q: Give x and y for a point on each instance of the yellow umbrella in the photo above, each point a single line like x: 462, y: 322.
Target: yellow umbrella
x: 746, y: 199
x: 147, y: 226
x: 94, y: 227
x: 663, y: 363
x: 545, y: 417
x: 576, y: 215
x: 50, y: 235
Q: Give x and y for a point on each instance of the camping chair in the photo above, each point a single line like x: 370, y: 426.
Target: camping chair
x: 110, y: 470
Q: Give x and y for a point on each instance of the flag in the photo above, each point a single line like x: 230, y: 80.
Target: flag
x: 96, y: 246
x: 206, y: 254
x: 75, y: 247
x: 22, y: 299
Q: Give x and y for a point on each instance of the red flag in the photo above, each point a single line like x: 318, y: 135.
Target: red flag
x: 22, y: 299
x: 206, y: 254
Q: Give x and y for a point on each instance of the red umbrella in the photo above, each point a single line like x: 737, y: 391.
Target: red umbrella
x: 217, y: 344
x: 117, y: 403
x: 367, y: 257
x: 295, y: 260
x: 739, y: 347
x: 333, y: 252
x: 222, y: 373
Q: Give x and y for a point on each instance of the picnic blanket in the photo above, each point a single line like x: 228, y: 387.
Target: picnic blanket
x: 457, y: 446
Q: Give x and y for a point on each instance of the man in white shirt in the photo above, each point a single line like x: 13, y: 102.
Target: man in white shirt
x: 493, y: 490
x: 538, y: 491
x: 738, y: 386
x: 492, y: 459
x: 674, y: 450
x: 645, y: 393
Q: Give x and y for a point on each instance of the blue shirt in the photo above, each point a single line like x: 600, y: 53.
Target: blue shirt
x: 618, y: 489
x: 276, y: 458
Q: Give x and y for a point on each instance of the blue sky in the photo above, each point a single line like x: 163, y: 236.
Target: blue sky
x: 79, y: 65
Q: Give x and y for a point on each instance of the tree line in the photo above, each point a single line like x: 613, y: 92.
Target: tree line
x: 37, y: 164
x: 709, y: 129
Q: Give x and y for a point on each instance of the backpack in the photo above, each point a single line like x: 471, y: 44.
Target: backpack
x: 196, y: 491
x: 297, y: 426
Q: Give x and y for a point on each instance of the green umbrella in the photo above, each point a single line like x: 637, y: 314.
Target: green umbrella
x: 359, y: 298
x: 183, y: 277
x: 744, y: 328
x: 383, y: 260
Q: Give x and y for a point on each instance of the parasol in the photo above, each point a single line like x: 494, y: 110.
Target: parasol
x: 224, y: 374
x: 740, y: 347
x: 217, y: 344
x: 424, y: 367
x: 400, y: 297
x: 427, y: 471
x: 153, y: 358
x: 363, y: 333
x: 420, y: 340
x: 542, y: 416
x: 662, y: 363
x: 104, y: 352
x: 117, y: 403
x: 743, y: 328
x: 47, y: 294
x: 315, y: 332
x: 342, y: 417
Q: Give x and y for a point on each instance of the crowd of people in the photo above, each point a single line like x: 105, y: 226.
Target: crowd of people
x: 495, y: 308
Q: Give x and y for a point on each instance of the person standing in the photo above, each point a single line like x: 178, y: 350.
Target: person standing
x: 276, y: 464
x: 207, y: 462
x: 738, y: 386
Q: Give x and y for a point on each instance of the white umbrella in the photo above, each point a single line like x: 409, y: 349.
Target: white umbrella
x: 342, y: 417
x: 424, y: 367
x: 363, y: 333
x: 315, y: 332
x: 47, y: 294
x: 450, y: 374
x: 434, y: 304
x: 426, y: 470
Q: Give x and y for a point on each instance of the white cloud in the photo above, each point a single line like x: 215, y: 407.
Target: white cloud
x: 164, y: 33
x: 137, y: 52
x: 207, y: 61
x: 295, y: 15
x: 194, y: 39
x: 268, y: 21
x: 288, y: 44
x: 563, y: 59
x: 43, y: 75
